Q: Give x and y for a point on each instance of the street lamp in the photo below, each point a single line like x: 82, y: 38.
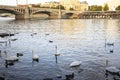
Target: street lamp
x: 27, y: 4
x: 59, y: 15
x: 17, y: 2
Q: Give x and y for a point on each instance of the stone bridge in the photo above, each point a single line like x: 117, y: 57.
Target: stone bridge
x: 28, y: 13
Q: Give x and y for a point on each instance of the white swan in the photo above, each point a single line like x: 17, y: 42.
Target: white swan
x: 35, y: 57
x: 75, y: 63
x: 3, y: 41
x: 13, y: 39
x: 11, y: 58
x: 112, y: 69
x: 57, y: 52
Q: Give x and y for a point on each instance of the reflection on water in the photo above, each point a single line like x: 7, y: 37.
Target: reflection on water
x: 77, y: 39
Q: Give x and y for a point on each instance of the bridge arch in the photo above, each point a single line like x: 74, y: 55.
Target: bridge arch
x: 69, y: 15
x: 43, y: 13
x: 15, y: 12
x: 18, y: 12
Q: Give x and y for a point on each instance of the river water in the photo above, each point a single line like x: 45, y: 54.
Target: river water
x: 76, y: 39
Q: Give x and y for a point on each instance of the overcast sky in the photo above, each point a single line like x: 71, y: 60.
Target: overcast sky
x: 13, y: 2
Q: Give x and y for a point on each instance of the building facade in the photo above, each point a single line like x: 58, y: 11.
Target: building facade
x: 83, y: 6
x: 74, y: 4
x: 68, y: 5
x: 51, y: 4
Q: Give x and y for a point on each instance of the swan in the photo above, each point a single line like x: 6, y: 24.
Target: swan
x: 0, y: 53
x: 109, y: 44
x: 13, y: 39
x: 112, y: 69
x: 57, y: 52
x: 3, y: 41
x: 35, y: 57
x: 75, y: 63
x: 12, y: 58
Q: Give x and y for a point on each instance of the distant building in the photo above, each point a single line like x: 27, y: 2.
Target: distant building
x: 52, y: 4
x: 22, y: 6
x: 29, y: 5
x: 68, y: 5
x: 83, y: 6
x: 74, y: 4
x: 35, y: 5
x: 113, y: 4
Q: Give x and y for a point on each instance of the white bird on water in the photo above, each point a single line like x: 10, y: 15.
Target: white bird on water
x: 112, y: 69
x: 11, y: 58
x: 57, y: 52
x: 75, y: 63
x: 35, y: 57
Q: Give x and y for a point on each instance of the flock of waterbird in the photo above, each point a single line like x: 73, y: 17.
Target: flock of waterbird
x: 9, y: 60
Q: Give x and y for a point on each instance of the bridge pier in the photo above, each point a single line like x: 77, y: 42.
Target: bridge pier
x: 21, y: 17
x: 26, y: 15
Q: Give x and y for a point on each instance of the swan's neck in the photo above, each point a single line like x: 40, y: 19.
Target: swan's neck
x: 32, y: 53
x: 56, y: 48
x: 107, y: 63
x: 6, y: 55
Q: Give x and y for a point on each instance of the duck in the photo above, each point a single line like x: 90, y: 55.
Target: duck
x: 19, y: 54
x: 2, y: 78
x: 33, y: 34
x: 50, y: 41
x: 109, y: 44
x: 70, y: 76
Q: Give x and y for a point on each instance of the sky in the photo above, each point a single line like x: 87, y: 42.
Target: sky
x: 13, y: 2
